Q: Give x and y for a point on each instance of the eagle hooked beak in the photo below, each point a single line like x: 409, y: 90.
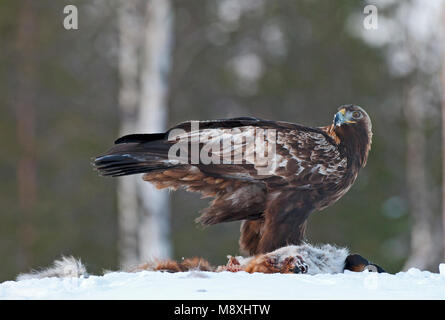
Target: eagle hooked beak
x: 341, y: 117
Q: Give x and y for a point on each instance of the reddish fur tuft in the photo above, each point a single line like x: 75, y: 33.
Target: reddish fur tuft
x: 188, y: 264
x: 232, y: 265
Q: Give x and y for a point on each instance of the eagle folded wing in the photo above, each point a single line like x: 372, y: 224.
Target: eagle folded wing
x: 271, y: 174
x: 296, y: 158
x: 252, y: 168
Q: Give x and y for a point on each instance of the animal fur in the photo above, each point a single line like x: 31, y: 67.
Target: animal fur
x: 66, y: 267
x: 191, y: 264
x: 302, y: 259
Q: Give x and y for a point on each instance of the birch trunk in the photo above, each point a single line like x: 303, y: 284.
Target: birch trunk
x: 154, y: 226
x: 144, y: 58
x: 443, y: 134
x: 423, y: 249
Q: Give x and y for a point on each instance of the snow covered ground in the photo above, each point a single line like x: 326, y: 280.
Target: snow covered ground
x: 413, y: 284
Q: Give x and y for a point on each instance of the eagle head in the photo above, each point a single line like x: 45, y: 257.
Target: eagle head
x: 352, y: 115
x: 353, y: 127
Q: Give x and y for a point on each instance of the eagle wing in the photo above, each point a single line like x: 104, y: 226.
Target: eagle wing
x: 298, y: 162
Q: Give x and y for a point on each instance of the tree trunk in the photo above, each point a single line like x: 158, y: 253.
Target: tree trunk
x: 26, y: 168
x: 154, y: 226
x: 128, y: 209
x: 443, y: 134
x: 144, y: 60
x: 426, y: 244
x: 424, y: 252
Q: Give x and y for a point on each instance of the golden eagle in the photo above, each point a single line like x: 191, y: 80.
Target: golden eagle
x: 300, y: 170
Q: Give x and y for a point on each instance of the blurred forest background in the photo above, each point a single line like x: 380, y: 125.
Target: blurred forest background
x: 64, y: 96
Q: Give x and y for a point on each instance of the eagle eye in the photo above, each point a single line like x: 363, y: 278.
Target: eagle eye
x: 356, y: 114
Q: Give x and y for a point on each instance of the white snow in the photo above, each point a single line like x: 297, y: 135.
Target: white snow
x: 413, y: 284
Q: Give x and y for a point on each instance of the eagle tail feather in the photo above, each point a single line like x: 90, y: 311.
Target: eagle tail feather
x: 126, y: 164
x: 133, y: 158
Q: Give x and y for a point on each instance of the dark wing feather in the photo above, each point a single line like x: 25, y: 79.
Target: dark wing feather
x: 140, y: 138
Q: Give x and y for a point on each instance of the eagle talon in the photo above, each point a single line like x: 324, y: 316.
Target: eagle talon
x: 300, y: 267
x: 297, y: 270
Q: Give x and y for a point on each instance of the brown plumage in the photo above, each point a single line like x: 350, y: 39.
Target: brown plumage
x: 311, y: 169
